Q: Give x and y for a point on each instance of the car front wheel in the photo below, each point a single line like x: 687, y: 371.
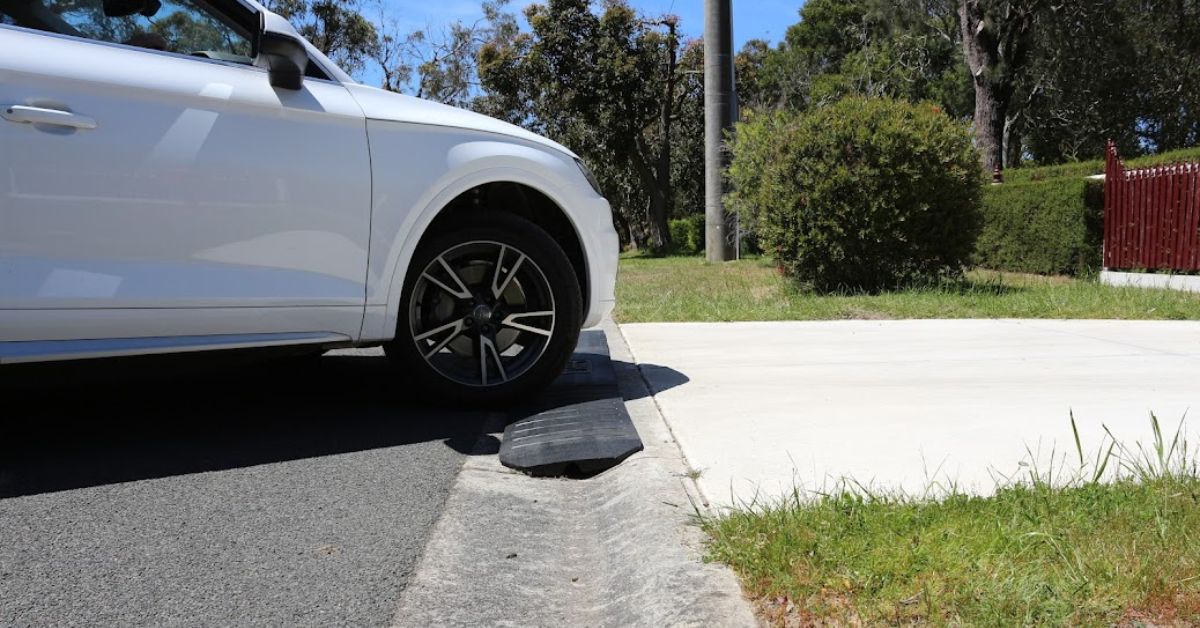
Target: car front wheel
x: 490, y: 312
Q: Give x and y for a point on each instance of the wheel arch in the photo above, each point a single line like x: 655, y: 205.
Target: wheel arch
x: 507, y: 189
x: 522, y: 200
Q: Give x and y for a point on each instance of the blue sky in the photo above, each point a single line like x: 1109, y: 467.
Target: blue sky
x: 752, y: 19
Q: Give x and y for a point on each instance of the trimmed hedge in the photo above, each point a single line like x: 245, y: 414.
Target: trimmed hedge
x: 1050, y: 220
x: 1076, y: 170
x: 1082, y: 169
x: 1046, y: 227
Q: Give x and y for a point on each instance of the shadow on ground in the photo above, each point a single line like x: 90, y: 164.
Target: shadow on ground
x: 83, y: 424
x: 87, y: 424
x: 664, y: 378
x: 572, y: 391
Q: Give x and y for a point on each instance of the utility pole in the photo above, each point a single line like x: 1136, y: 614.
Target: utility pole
x: 719, y: 103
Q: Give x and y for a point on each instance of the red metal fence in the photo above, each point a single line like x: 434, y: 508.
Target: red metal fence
x: 1151, y: 215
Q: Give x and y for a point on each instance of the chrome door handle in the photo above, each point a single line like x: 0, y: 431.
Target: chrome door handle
x: 38, y: 115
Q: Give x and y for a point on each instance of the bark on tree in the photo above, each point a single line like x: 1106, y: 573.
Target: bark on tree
x: 990, y: 111
x: 658, y: 189
x: 653, y: 166
x: 995, y: 38
x: 662, y: 166
x: 1012, y: 141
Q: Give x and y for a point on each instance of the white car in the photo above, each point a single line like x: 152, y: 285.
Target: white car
x: 191, y: 175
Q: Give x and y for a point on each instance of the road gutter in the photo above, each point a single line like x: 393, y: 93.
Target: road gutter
x: 619, y: 549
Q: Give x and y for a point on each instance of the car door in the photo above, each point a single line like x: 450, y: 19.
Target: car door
x: 155, y: 184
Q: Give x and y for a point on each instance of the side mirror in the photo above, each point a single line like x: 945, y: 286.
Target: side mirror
x: 281, y: 52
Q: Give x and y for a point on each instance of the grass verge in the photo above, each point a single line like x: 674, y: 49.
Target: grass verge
x: 676, y: 289
x: 1116, y: 544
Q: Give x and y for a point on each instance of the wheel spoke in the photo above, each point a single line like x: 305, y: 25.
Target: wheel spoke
x: 488, y: 347
x: 498, y: 290
x: 461, y: 293
x: 456, y: 329
x: 510, y: 321
x: 482, y: 312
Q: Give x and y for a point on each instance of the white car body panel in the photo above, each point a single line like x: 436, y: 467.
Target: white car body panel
x: 208, y: 210
x: 461, y: 150
x: 378, y: 104
x: 165, y: 205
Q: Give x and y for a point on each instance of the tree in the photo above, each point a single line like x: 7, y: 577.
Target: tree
x: 827, y: 32
x: 1125, y: 70
x: 1081, y: 88
x: 1167, y: 44
x: 394, y: 53
x: 947, y: 51
x: 605, y: 85
x: 913, y: 65
x: 907, y: 50
x: 755, y: 90
x: 996, y: 40
x: 336, y: 27
x: 914, y: 54
x: 687, y: 132
x: 1049, y: 79
x: 192, y: 31
x: 441, y: 63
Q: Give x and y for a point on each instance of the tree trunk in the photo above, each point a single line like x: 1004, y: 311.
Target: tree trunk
x: 995, y: 39
x: 662, y: 165
x: 658, y: 193
x: 989, y: 113
x: 624, y: 231
x: 660, y: 231
x: 989, y: 125
x: 1012, y: 143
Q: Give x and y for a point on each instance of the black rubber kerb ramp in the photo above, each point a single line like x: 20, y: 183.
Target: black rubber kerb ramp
x: 578, y: 426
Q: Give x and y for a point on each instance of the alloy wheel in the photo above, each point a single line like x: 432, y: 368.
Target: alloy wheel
x: 482, y: 313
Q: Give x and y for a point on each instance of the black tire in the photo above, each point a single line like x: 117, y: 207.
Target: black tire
x: 498, y: 287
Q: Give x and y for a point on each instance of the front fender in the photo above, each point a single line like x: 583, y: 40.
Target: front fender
x: 403, y: 209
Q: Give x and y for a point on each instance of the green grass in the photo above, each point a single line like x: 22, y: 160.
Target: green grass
x: 1040, y: 552
x: 1117, y: 544
x: 689, y: 289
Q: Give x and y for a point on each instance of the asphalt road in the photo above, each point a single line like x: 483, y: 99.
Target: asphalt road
x: 298, y: 493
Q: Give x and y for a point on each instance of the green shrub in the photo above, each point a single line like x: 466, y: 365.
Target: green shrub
x: 1047, y: 227
x: 695, y: 233
x: 687, y: 235
x: 860, y: 195
x: 679, y: 229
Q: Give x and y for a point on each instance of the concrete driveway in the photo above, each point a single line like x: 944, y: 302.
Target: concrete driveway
x: 762, y: 408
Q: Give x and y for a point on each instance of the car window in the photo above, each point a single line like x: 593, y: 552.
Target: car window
x: 188, y: 27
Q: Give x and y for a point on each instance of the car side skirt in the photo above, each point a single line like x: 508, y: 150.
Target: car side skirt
x: 45, y: 351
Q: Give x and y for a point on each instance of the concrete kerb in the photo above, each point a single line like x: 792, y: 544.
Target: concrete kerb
x: 1183, y: 283
x: 620, y: 549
